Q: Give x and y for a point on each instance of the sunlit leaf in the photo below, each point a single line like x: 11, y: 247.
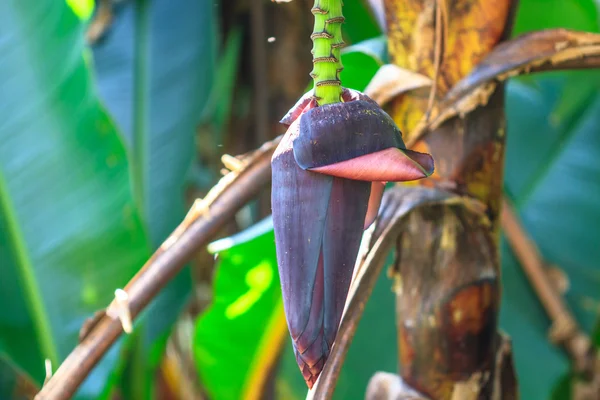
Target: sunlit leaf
x: 361, y: 61
x: 82, y: 8
x: 239, y: 335
x: 535, y: 15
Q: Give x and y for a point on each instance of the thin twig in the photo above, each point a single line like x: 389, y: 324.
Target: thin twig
x: 564, y: 329
x: 440, y: 38
x: 222, y: 202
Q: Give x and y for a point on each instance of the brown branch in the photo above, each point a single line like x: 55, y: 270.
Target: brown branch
x: 203, y: 222
x: 564, y: 329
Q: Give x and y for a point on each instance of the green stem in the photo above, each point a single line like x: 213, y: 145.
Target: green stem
x: 327, y: 44
x: 140, y: 103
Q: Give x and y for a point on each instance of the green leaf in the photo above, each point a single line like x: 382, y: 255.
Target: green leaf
x: 238, y: 336
x: 361, y: 61
x: 180, y: 39
x: 360, y: 21
x: 70, y: 233
x: 580, y: 15
x: 553, y: 177
x: 533, y: 15
x: 155, y: 69
x: 82, y: 8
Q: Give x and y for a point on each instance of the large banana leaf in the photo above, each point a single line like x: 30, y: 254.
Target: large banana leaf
x: 70, y: 233
x: 175, y: 49
x: 155, y: 67
x: 556, y: 189
x: 552, y: 176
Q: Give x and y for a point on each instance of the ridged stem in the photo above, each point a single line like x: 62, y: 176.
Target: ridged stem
x: 327, y: 44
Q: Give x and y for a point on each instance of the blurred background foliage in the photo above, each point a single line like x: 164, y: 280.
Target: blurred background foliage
x: 105, y: 143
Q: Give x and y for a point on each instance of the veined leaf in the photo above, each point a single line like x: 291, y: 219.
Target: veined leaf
x: 239, y: 335
x: 177, y: 51
x: 70, y: 233
x: 581, y: 15
x: 155, y: 67
x: 556, y: 190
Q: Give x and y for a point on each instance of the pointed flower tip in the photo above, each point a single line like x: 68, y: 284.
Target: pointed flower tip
x: 310, y: 374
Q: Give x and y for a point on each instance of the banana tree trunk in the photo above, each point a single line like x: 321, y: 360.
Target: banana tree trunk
x: 448, y: 270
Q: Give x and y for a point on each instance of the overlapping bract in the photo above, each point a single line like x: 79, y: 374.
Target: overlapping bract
x: 329, y: 173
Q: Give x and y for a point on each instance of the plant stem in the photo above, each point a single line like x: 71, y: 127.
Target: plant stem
x: 327, y: 44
